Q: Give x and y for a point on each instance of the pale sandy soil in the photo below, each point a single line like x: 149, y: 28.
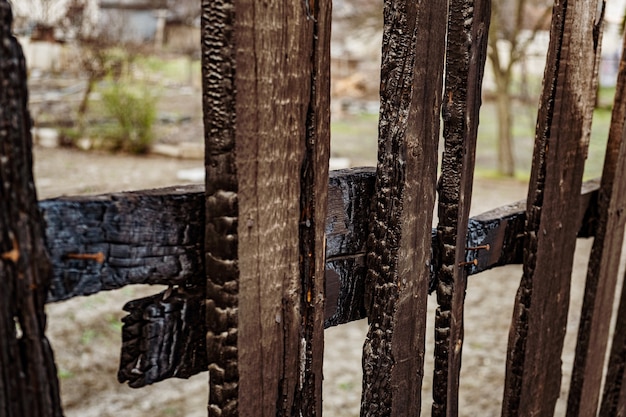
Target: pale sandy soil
x: 85, y: 331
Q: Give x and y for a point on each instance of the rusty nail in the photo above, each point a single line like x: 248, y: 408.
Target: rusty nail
x: 485, y: 247
x: 14, y: 254
x: 98, y: 257
x: 473, y: 262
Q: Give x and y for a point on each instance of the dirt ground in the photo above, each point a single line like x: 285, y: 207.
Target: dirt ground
x: 85, y: 332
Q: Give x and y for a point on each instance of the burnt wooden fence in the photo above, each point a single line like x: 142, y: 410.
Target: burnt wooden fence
x: 274, y: 248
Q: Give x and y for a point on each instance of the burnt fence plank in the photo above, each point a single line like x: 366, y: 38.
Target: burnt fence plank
x: 350, y: 194
x: 163, y: 337
x: 466, y: 53
x: 398, y: 247
x: 28, y: 375
x: 533, y: 376
x: 266, y: 76
x: 105, y: 242
x: 611, y: 222
x: 602, y: 273
x: 218, y: 62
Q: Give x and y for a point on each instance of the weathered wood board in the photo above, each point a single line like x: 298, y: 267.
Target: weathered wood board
x: 28, y: 375
x: 399, y: 242
x: 533, y: 377
x: 350, y: 192
x: 605, y: 264
x: 266, y: 98
x: 466, y: 53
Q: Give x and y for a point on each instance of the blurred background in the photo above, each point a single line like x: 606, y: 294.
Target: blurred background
x: 115, y: 95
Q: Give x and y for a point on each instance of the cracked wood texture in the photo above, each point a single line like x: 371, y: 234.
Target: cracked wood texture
x: 163, y: 337
x: 266, y: 98
x: 28, y: 376
x: 533, y: 375
x: 120, y: 229
x: 611, y: 224
x: 466, y: 51
x: 144, y: 361
x: 78, y: 221
x: 398, y: 246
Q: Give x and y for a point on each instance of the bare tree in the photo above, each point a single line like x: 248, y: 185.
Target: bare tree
x: 507, y: 49
x: 46, y: 12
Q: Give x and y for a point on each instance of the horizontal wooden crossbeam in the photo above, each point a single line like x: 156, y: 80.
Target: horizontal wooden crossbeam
x: 105, y: 242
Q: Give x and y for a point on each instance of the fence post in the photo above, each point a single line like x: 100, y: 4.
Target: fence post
x: 466, y: 53
x: 611, y: 225
x: 28, y: 378
x: 266, y: 94
x: 399, y: 244
x: 533, y: 376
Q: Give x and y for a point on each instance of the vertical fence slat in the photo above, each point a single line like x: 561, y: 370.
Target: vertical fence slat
x: 612, y: 200
x: 533, y: 377
x: 398, y: 246
x: 222, y: 271
x: 603, y: 268
x: 313, y: 209
x: 468, y: 28
x: 28, y: 377
x: 266, y: 94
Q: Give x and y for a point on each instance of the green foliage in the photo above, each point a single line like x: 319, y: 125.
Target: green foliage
x: 133, y: 109
x: 69, y: 136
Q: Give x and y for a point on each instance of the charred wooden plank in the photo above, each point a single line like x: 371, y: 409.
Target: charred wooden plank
x: 219, y: 64
x: 119, y: 231
x: 163, y: 337
x: 501, y: 228
x: 611, y: 226
x: 267, y: 155
x: 78, y: 221
x: 313, y: 213
x: 28, y: 375
x: 533, y: 377
x: 398, y: 247
x: 466, y: 53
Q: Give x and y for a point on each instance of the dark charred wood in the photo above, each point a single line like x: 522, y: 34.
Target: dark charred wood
x: 163, y: 337
x: 466, y: 53
x: 533, y: 366
x: 399, y: 240
x: 147, y: 237
x: 220, y: 260
x: 350, y: 192
x: 28, y: 375
x: 501, y: 228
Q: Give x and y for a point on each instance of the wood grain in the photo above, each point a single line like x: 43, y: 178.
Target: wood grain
x: 533, y: 377
x: 398, y: 246
x: 466, y: 52
x: 220, y: 268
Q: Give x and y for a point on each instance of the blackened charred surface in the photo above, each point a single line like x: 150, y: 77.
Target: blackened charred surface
x: 28, y: 375
x: 164, y: 337
x: 349, y: 199
x: 121, y: 228
x: 399, y: 240
x: 468, y: 27
x: 221, y: 204
x: 345, y: 290
x: 502, y: 228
